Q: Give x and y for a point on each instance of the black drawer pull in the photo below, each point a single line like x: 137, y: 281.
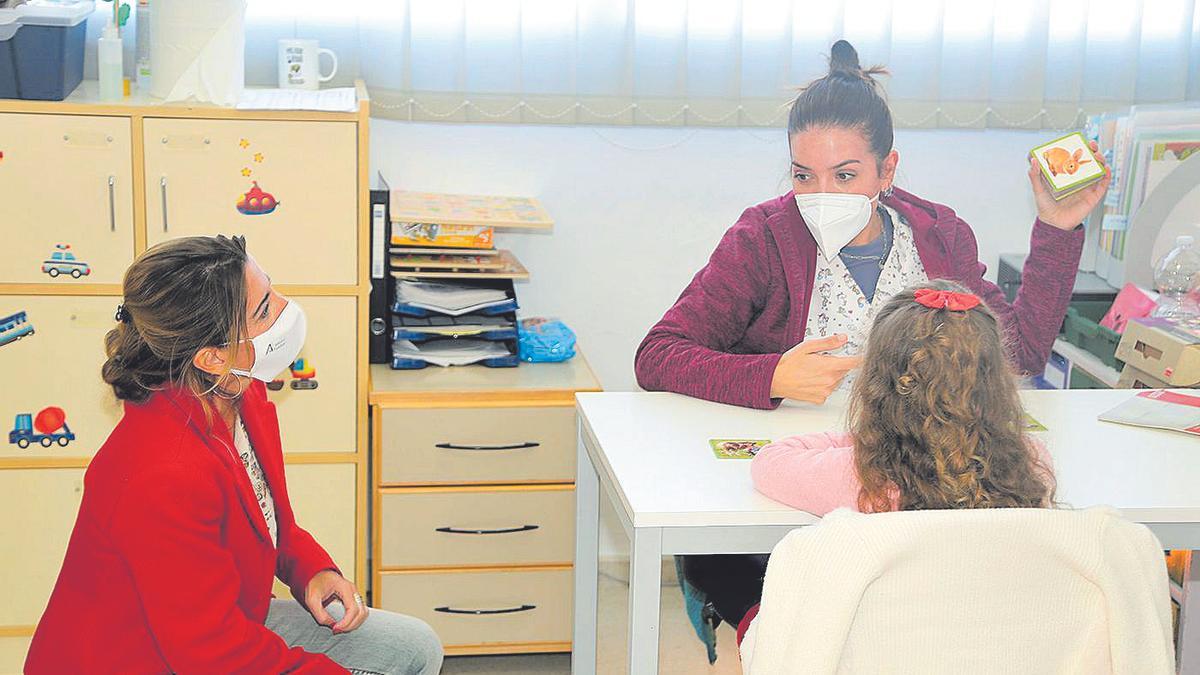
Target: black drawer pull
x: 514, y: 446
x: 507, y: 530
x: 484, y: 612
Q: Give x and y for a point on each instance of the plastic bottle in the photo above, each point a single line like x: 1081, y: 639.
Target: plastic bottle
x: 1176, y: 275
x: 112, y: 74
x: 143, y: 45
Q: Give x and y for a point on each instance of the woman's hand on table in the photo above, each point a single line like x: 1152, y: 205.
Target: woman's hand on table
x: 322, y: 589
x: 806, y: 373
x: 1069, y: 212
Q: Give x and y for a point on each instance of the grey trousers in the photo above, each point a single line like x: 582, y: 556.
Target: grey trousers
x: 386, y: 644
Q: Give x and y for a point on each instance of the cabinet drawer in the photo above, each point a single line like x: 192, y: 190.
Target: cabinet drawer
x: 488, y: 527
x: 322, y: 418
x: 324, y: 500
x: 65, y: 179
x: 476, y: 608
x: 478, y: 445
x: 197, y: 172
x: 52, y: 358
x: 12, y: 654
x: 39, y: 508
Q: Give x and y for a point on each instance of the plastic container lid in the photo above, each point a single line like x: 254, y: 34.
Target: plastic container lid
x: 49, y: 13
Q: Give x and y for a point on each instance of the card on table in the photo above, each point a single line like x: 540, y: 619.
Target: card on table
x: 736, y: 448
x: 1067, y: 164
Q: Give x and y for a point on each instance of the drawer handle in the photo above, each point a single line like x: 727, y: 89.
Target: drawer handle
x: 162, y: 184
x: 484, y: 612
x: 514, y: 446
x: 507, y: 530
x: 112, y: 203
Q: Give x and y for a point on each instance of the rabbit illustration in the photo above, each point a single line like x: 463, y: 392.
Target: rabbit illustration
x: 1059, y: 160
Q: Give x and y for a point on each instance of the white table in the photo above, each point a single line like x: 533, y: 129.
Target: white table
x: 648, y: 454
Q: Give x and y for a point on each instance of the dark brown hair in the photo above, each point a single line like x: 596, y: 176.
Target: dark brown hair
x: 847, y: 97
x: 180, y: 296
x: 935, y: 416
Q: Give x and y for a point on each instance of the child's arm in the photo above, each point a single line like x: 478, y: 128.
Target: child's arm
x: 813, y: 473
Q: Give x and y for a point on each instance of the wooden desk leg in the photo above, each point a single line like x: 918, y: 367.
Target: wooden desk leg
x: 587, y: 554
x: 1187, y: 656
x: 645, y: 585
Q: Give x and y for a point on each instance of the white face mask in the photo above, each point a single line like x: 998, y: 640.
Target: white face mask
x: 278, y: 346
x: 834, y: 218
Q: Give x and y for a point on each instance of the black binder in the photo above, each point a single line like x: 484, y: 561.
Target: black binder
x: 382, y: 288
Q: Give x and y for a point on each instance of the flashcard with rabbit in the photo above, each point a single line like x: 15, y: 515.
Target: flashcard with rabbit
x: 1067, y: 164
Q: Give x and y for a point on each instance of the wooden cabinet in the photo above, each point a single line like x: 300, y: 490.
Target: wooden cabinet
x: 474, y: 502
x: 108, y: 181
x: 65, y: 180
x: 198, y: 171
x: 321, y: 414
x: 323, y: 499
x: 58, y: 365
x: 39, y: 514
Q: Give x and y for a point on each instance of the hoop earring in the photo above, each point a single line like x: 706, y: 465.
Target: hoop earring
x: 241, y: 388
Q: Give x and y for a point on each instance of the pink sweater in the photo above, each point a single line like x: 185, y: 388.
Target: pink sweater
x: 815, y: 472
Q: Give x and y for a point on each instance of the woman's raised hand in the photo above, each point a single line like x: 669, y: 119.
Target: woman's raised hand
x: 1069, y: 212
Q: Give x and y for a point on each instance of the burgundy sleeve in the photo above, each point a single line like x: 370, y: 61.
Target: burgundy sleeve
x: 1033, y: 319
x: 688, y: 350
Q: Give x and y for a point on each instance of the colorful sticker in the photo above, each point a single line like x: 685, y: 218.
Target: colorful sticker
x: 62, y: 261
x: 304, y: 376
x: 256, y: 202
x: 736, y: 448
x: 14, y: 327
x: 46, y: 429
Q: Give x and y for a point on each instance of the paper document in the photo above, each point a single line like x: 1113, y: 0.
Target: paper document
x: 458, y: 352
x: 452, y: 299
x: 1159, y: 409
x: 343, y: 99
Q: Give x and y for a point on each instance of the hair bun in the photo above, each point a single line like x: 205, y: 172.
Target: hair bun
x: 843, y: 59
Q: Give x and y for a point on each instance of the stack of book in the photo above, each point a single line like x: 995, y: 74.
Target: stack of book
x: 448, y: 236
x: 455, y: 301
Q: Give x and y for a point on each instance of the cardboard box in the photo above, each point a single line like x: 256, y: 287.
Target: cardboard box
x: 1132, y: 378
x: 1165, y: 350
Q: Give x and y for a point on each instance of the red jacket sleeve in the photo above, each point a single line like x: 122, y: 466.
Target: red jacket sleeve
x: 687, y: 351
x: 167, y: 526
x: 1033, y: 319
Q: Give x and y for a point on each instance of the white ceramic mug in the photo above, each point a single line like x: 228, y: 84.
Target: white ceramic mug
x: 299, y: 66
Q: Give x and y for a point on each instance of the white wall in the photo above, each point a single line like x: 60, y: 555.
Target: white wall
x: 638, y: 210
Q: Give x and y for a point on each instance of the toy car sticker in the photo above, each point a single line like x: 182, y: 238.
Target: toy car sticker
x: 63, y: 263
x: 48, y: 428
x: 14, y: 327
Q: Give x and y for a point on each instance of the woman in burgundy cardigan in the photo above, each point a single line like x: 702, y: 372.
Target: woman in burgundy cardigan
x: 783, y: 306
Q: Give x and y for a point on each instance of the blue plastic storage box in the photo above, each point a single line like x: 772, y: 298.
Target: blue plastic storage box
x: 41, y: 48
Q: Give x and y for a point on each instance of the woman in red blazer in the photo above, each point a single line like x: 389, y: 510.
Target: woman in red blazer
x: 185, y: 519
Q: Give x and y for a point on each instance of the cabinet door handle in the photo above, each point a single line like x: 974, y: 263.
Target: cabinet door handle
x: 484, y: 612
x: 112, y: 203
x: 514, y: 446
x: 505, y: 530
x: 162, y: 184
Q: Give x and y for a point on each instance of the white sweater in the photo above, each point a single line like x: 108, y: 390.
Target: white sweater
x: 974, y: 591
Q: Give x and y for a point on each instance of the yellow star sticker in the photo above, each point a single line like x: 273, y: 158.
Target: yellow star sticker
x: 244, y: 144
x: 258, y: 157
x: 246, y: 172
